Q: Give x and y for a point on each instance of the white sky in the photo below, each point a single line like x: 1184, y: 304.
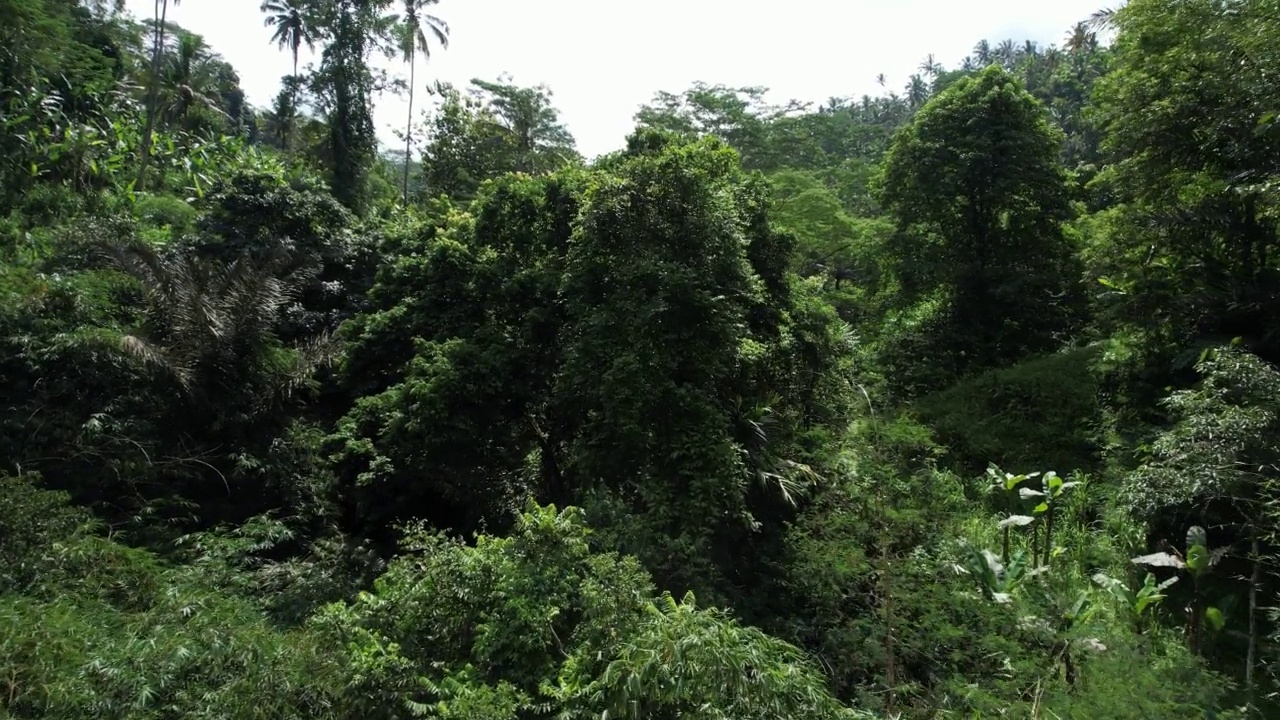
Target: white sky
x: 603, y: 59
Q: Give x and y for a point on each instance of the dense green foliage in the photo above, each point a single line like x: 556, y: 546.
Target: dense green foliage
x: 956, y: 402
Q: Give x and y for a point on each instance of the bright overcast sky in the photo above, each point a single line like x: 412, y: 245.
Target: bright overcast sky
x: 603, y: 58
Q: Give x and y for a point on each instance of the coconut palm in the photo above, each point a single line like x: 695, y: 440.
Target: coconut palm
x: 284, y: 112
x: 189, y: 80
x: 982, y: 53
x: 1006, y: 54
x: 1080, y: 38
x: 930, y: 67
x: 917, y: 92
x: 1052, y: 57
x: 291, y: 27
x: 415, y: 28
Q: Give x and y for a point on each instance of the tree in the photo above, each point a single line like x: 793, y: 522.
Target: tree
x: 982, y: 53
x: 344, y: 86
x: 414, y: 29
x: 829, y: 241
x: 1218, y: 465
x: 496, y: 128
x: 291, y: 27
x: 208, y: 324
x: 539, y: 141
x: 1080, y: 38
x: 739, y: 116
x: 284, y: 113
x: 678, y: 241
x: 1195, y: 247
x: 160, y: 24
x: 292, y: 30
x: 1103, y: 19
x: 931, y: 67
x: 975, y: 186
x: 191, y: 81
x: 462, y: 147
x: 917, y: 92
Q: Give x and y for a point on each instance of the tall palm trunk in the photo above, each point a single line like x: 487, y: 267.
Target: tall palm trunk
x: 293, y: 103
x: 144, y: 150
x: 408, y: 125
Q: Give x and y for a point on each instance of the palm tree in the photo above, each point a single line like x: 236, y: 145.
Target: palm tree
x: 1079, y: 38
x: 1006, y: 53
x: 190, y: 80
x: 894, y: 109
x: 982, y: 53
x: 414, y: 39
x: 284, y: 112
x: 1052, y: 57
x: 292, y: 30
x: 210, y: 327
x: 930, y: 67
x: 157, y: 50
x: 291, y: 27
x: 867, y: 108
x: 917, y: 92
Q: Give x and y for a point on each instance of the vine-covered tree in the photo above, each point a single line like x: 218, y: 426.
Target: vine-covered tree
x: 980, y: 200
x: 351, y: 30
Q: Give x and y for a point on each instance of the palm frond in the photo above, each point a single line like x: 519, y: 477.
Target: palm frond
x: 211, y: 323
x: 319, y: 351
x: 157, y: 358
x: 1103, y: 19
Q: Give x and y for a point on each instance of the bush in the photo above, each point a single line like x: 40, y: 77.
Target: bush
x: 166, y: 212
x: 1039, y: 414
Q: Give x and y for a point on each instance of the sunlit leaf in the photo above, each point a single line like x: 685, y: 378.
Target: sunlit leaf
x: 1160, y: 559
x: 1017, y: 521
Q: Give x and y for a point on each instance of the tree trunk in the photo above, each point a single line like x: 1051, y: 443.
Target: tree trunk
x: 293, y: 105
x: 890, y: 651
x: 408, y: 126
x: 144, y: 150
x: 1251, y: 655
